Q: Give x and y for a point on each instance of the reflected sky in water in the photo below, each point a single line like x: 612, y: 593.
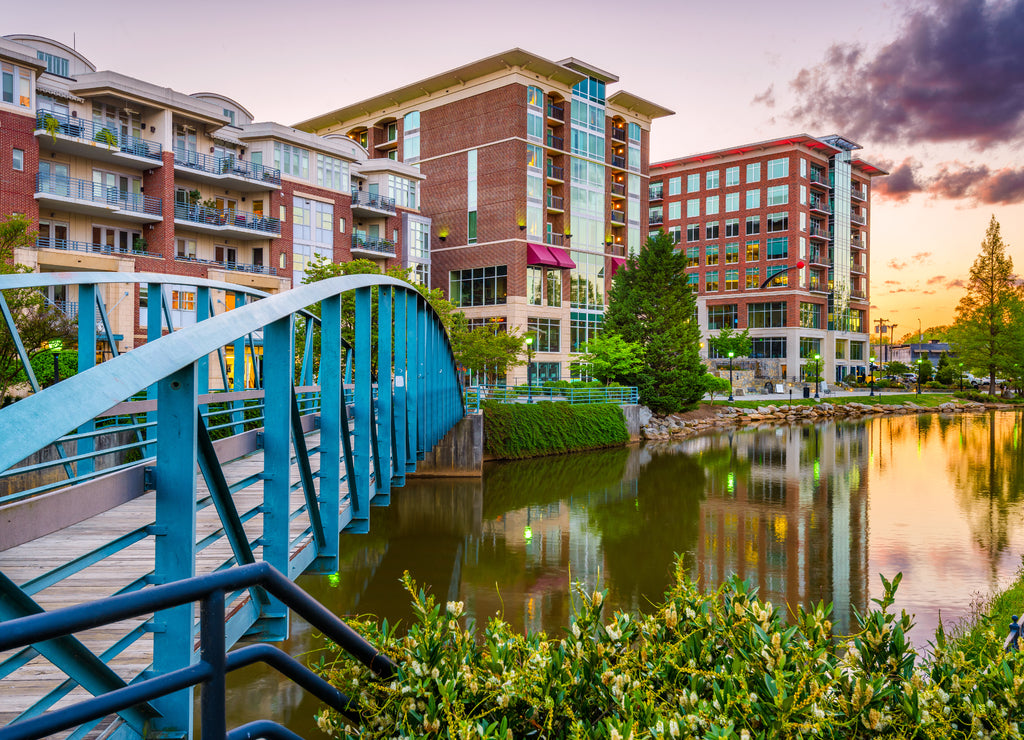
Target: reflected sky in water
x: 807, y: 513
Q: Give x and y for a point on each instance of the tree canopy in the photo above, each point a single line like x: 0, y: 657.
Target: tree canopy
x: 609, y: 358
x: 727, y: 341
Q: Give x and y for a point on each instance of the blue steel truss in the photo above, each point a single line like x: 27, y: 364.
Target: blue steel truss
x: 382, y: 401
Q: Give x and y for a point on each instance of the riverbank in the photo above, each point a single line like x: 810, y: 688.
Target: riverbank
x: 710, y: 416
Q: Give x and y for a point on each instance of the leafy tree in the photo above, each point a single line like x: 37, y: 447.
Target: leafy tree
x: 35, y: 320
x: 727, y: 341
x: 987, y: 331
x: 945, y: 373
x: 924, y: 370
x: 896, y: 368
x: 652, y: 305
x: 485, y: 350
x: 714, y: 384
x: 609, y: 358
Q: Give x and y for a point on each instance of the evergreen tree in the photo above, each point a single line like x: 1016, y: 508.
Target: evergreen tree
x: 987, y: 332
x: 652, y: 305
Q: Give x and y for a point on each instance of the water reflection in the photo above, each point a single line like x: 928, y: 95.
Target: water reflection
x: 787, y: 508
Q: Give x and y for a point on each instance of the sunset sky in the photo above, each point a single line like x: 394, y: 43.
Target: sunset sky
x: 934, y: 91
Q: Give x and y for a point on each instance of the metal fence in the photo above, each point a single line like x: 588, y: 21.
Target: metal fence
x: 524, y: 394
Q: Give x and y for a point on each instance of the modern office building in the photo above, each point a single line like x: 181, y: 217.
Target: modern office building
x: 123, y: 175
x: 751, y: 213
x: 536, y: 184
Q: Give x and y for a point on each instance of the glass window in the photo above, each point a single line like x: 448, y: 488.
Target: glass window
x: 18, y: 160
x: 675, y: 210
x: 803, y: 167
x: 534, y: 96
x: 711, y: 255
x: 478, y: 286
x: 778, y: 195
x: 753, y: 199
x: 766, y: 315
x: 763, y: 348
x: 554, y: 286
x: 693, y: 256
x: 676, y: 234
x: 777, y: 248
x: 534, y: 285
x: 724, y: 316
x: 732, y: 279
x: 711, y: 230
x: 711, y: 179
x: 471, y: 227
x: 547, y: 334
x: 732, y: 202
x: 693, y: 207
x: 332, y: 173
x: 691, y: 279
x: 778, y: 222
x: 692, y: 183
x: 634, y: 132
x: 732, y: 253
x: 711, y: 281
x: 753, y: 225
x: 778, y: 272
x: 810, y: 315
x: 754, y: 172
x: 54, y: 64
x: 732, y: 176
x: 753, y: 251
x: 809, y: 347
x: 291, y: 160
x: 693, y: 232
x: 675, y: 185
x: 778, y: 168
x: 711, y: 206
x: 732, y: 227
x: 534, y: 156
x: 403, y: 191
x: 411, y: 122
x: 753, y: 278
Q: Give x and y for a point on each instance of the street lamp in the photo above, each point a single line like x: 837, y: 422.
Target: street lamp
x: 871, y: 368
x: 730, y: 377
x: 961, y: 374
x: 817, y: 375
x: 56, y: 345
x: 919, y: 361
x: 529, y: 369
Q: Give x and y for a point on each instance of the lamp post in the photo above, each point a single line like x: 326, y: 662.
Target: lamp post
x: 529, y: 369
x: 730, y: 377
x: 817, y: 375
x: 961, y: 374
x: 56, y: 345
x: 871, y: 368
x: 918, y: 363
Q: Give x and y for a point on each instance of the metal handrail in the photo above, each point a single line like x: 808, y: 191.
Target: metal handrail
x: 373, y: 200
x: 235, y: 266
x: 227, y: 164
x: 79, y: 128
x: 43, y: 242
x: 227, y: 218
x: 373, y: 244
x: 585, y: 395
x: 95, y: 192
x: 214, y: 662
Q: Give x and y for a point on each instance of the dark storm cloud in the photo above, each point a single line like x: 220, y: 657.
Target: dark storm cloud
x: 901, y: 182
x: 952, y: 74
x: 978, y: 183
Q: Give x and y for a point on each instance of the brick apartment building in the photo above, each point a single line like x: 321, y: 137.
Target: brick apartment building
x: 123, y: 175
x: 747, y: 213
x: 536, y: 185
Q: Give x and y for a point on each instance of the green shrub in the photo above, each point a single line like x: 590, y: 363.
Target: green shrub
x: 514, y: 430
x: 718, y: 665
x: 42, y: 367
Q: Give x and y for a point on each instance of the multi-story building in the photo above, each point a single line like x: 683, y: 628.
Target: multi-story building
x: 536, y: 184
x: 748, y: 217
x: 123, y: 175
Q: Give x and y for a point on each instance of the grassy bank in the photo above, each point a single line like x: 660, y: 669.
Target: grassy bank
x: 516, y: 430
x: 992, y: 614
x: 929, y: 400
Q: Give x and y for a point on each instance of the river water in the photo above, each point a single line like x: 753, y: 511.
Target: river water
x: 807, y: 513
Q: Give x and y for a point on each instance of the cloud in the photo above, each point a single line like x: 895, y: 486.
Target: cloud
x: 902, y: 181
x: 952, y: 74
x: 928, y: 292
x: 767, y: 98
x: 937, y: 280
x: 920, y: 256
x: 953, y: 180
x: 896, y: 264
x: 893, y: 282
x: 957, y: 283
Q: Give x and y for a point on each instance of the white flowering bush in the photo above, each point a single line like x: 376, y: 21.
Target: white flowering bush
x: 703, y: 665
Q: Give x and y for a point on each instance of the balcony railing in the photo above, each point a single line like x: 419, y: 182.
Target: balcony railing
x: 555, y: 240
x: 858, y: 294
x: 818, y: 258
x: 226, y: 265
x: 556, y: 112
x: 858, y: 219
x: 856, y: 241
x: 68, y: 308
x: 858, y: 194
x: 373, y: 200
x: 555, y: 142
x: 820, y: 204
x: 77, y: 128
x: 618, y: 161
x: 618, y: 134
x: 94, y: 192
x: 618, y: 217
x: 215, y: 217
x: 619, y: 189
x: 373, y: 244
x: 818, y: 286
x: 226, y: 165
x: 555, y: 172
x: 73, y: 246
x: 818, y: 231
x: 655, y: 219
x: 820, y: 178
x: 858, y: 267
x: 655, y: 193
x: 555, y: 202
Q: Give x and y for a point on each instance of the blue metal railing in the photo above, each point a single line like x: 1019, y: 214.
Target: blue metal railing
x: 215, y: 217
x: 214, y: 660
x: 236, y: 266
x: 95, y: 192
x: 43, y: 242
x: 373, y: 200
x: 373, y: 244
x: 519, y: 394
x: 77, y: 128
x: 228, y: 165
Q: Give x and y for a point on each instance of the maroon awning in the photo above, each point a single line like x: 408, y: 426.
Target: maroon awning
x: 538, y: 254
x: 617, y: 263
x: 563, y: 258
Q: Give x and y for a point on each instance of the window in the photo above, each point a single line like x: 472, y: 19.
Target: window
x: 856, y: 350
x: 711, y: 255
x: 675, y: 210
x: 803, y: 222
x: 693, y: 232
x: 534, y: 285
x: 655, y: 190
x: 753, y: 251
x: 471, y: 186
x: 15, y: 86
x: 183, y: 300
x: 753, y: 199
x: 332, y: 173
x: 554, y: 286
x: 723, y: 317
x: 291, y: 160
x: 479, y: 286
x: 411, y: 137
x: 711, y: 180
x: 753, y: 225
x: 732, y: 202
x: 185, y: 249
x: 691, y: 280
x: 402, y: 190
x: 547, y: 334
x: 711, y: 207
x: 803, y: 167
x: 781, y: 277
x: 675, y: 185
x: 230, y: 114
x: 754, y: 172
x: 693, y: 207
x: 810, y: 315
x: 753, y: 278
x: 55, y: 65
x: 778, y: 222
x: 676, y: 234
x: 732, y: 279
x: 692, y: 183
x: 777, y: 248
x: 809, y: 347
x: 711, y: 230
x: 534, y: 96
x: 732, y: 227
x: 778, y: 195
x: 803, y: 194
x: 534, y: 156
x: 711, y: 281
x: 766, y: 315
x: 732, y: 253
x: 634, y: 132
x: 582, y: 328
x: 471, y: 228
x: 764, y: 348
x: 778, y: 168
x: 18, y: 160
x: 693, y: 256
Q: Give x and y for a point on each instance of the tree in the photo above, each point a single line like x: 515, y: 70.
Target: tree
x: 896, y: 368
x: 714, y: 384
x: 485, y: 350
x: 652, y: 305
x: 987, y: 331
x: 35, y: 320
x: 609, y: 358
x: 727, y: 341
x: 924, y: 370
x: 945, y: 373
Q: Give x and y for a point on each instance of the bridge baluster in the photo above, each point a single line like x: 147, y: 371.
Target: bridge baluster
x: 363, y: 413
x: 86, y: 359
x: 385, y: 331
x: 331, y: 398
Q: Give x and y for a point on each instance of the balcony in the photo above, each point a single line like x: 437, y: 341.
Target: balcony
x: 618, y: 161
x: 556, y: 112
x: 858, y: 294
x: 816, y: 285
x: 618, y: 190
x: 655, y: 193
x: 391, y: 142
x: 858, y: 194
x: 555, y: 142
x: 556, y: 173
x: 555, y: 240
x: 79, y: 137
x: 858, y: 267
x: 73, y: 246
x: 556, y: 203
x: 818, y: 257
x: 818, y: 232
x: 225, y: 170
x: 228, y: 223
x: 819, y: 179
x: 372, y: 246
x: 856, y: 242
x: 859, y: 219
x: 370, y: 204
x: 820, y: 205
x: 96, y: 199
x: 233, y: 266
x: 619, y: 134
x: 618, y: 218
x: 655, y: 219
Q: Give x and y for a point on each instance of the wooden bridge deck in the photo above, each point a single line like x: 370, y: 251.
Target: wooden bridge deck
x: 32, y: 681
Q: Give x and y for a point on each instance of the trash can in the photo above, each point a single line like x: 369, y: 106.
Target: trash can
x: 807, y: 391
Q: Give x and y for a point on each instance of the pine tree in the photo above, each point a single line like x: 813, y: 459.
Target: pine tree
x: 652, y: 305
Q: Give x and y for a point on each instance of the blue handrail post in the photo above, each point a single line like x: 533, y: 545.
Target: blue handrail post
x: 278, y: 384
x: 212, y: 648
x: 86, y: 359
x: 154, y: 330
x: 331, y: 397
x: 239, y: 374
x: 401, y: 374
x: 362, y: 412
x: 202, y: 314
x: 385, y: 330
x: 421, y: 378
x: 412, y: 382
x: 175, y: 549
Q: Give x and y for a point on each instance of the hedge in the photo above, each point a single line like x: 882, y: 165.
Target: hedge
x: 515, y: 430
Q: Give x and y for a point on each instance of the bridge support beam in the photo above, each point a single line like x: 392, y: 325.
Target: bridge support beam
x: 331, y: 398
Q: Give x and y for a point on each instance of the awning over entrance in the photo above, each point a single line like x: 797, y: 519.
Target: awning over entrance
x: 564, y: 260
x: 617, y: 264
x: 538, y: 254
